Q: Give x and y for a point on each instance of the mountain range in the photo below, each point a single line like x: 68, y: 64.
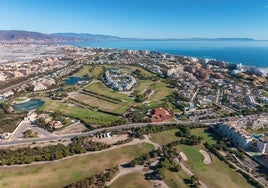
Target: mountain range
x: 19, y: 36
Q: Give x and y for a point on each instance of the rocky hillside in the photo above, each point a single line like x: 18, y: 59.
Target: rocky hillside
x: 17, y: 36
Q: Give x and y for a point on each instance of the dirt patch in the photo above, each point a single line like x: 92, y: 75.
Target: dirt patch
x: 111, y: 140
x: 74, y: 128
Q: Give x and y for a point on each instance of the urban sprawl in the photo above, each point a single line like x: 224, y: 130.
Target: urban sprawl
x: 95, y: 91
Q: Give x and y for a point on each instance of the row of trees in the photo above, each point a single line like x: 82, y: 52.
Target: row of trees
x: 28, y: 155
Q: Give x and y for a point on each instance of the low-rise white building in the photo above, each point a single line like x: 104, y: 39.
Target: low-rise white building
x: 238, y: 136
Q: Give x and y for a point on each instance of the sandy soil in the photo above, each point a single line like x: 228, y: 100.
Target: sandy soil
x: 207, y: 157
x: 183, y: 156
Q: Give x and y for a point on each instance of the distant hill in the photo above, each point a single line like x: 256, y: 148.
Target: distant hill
x: 86, y: 36
x: 13, y: 35
x: 18, y: 36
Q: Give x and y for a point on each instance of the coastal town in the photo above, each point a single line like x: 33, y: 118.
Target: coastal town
x: 54, y: 93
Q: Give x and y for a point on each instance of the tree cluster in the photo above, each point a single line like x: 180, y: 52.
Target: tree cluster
x: 213, y: 149
x: 28, y: 155
x: 98, y: 180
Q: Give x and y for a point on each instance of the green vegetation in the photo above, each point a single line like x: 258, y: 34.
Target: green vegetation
x: 159, y: 89
x: 103, y: 105
x: 88, y: 116
x: 82, y: 72
x: 165, y: 137
x: 217, y: 174
x: 48, y: 153
x: 97, y: 180
x: 29, y: 134
x: 101, y: 89
x: 208, y: 136
x: 141, y: 71
x: 66, y: 171
x: 176, y: 179
x: 95, y: 71
x: 19, y: 99
x: 132, y: 180
x: 214, y: 149
x: 9, y: 121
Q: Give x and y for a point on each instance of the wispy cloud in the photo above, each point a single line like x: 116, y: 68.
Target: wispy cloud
x: 266, y: 6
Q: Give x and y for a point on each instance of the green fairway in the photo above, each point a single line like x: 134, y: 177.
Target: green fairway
x: 143, y: 71
x: 104, y: 105
x: 217, y: 174
x: 161, y: 91
x: 95, y: 71
x: 208, y: 136
x: 100, y: 88
x: 159, y: 88
x: 94, y: 117
x: 176, y: 179
x: 84, y: 71
x: 164, y: 137
x: 66, y: 171
x: 132, y: 180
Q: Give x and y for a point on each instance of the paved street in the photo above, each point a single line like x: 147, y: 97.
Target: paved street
x: 16, y: 138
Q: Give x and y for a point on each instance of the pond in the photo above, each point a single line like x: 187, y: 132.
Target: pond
x: 73, y: 80
x: 29, y: 105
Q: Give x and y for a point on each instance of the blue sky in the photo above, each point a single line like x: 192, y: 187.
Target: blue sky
x: 139, y: 18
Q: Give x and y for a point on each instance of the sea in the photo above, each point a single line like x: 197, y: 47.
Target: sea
x: 251, y: 53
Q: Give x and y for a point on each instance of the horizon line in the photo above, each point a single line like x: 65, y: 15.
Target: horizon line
x: 140, y: 38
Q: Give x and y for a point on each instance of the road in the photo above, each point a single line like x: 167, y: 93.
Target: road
x: 53, y: 137
x: 14, y: 86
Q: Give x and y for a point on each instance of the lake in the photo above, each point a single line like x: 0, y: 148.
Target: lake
x: 73, y: 80
x: 29, y: 105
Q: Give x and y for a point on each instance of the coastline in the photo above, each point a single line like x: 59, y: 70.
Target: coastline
x: 251, y: 53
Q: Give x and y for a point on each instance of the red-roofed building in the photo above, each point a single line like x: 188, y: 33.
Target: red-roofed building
x: 159, y: 115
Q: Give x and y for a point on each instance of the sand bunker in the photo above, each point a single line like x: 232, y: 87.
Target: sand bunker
x: 207, y: 157
x: 183, y: 156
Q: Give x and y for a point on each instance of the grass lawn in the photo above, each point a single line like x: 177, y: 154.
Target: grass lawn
x: 143, y: 84
x: 87, y: 115
x: 217, y: 174
x: 82, y: 72
x: 208, y: 136
x: 100, y: 88
x: 132, y: 180
x: 164, y: 137
x: 66, y: 171
x: 96, y: 71
x: 118, y: 108
x: 160, y: 89
x: 19, y: 99
x: 145, y: 72
x: 176, y: 179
